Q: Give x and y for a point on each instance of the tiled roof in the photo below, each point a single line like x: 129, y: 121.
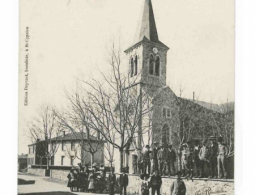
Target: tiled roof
x: 74, y: 136
x: 69, y: 137
x: 223, y: 108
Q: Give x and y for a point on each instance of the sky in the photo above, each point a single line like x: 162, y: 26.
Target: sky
x: 69, y: 40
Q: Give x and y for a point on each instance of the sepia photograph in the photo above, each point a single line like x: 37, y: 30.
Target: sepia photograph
x: 129, y: 97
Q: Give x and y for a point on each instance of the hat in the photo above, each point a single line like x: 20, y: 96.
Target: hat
x: 142, y: 176
x: 101, y: 165
x: 94, y: 165
x: 123, y: 170
x: 184, y: 145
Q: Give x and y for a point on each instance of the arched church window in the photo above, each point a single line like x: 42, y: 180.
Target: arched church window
x: 135, y: 67
x: 157, y: 68
x: 131, y: 67
x: 151, y: 68
x: 165, y: 134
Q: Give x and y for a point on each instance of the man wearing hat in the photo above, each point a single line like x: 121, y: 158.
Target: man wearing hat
x: 155, y: 156
x: 184, y: 159
x: 189, y: 153
x: 213, y: 149
x: 162, y: 156
x: 123, y: 182
x: 221, y: 159
x: 112, y: 181
x: 178, y: 186
x: 171, y: 158
x: 146, y: 159
x: 204, y: 158
x: 155, y: 183
x: 196, y: 160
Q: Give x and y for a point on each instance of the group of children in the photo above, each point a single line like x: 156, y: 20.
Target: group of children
x: 83, y: 179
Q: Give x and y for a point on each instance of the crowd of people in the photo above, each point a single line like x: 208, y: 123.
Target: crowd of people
x: 192, y: 159
x: 84, y: 180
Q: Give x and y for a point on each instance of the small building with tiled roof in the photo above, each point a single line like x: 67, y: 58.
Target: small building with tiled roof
x: 70, y: 149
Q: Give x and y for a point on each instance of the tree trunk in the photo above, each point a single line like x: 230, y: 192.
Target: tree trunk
x: 92, y: 159
x: 111, y: 165
x: 121, y: 160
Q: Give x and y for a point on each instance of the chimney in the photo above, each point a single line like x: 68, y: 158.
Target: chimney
x: 193, y: 96
x: 63, y: 133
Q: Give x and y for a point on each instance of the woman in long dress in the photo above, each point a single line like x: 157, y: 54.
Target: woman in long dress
x: 91, y: 179
x: 71, y: 180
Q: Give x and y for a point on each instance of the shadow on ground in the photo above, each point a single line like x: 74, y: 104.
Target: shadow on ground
x: 48, y: 193
x: 25, y: 182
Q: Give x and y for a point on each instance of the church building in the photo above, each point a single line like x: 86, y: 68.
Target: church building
x: 171, y: 115
x: 147, y: 60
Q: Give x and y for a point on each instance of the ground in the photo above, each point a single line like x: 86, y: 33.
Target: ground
x: 36, y: 185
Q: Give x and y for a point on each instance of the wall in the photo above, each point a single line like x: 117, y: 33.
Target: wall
x: 40, y: 172
x: 67, y: 152
x: 195, y: 187
x: 60, y: 174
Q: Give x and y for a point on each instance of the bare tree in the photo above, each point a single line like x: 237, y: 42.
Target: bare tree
x: 76, y: 121
x: 112, y: 106
x: 45, y: 131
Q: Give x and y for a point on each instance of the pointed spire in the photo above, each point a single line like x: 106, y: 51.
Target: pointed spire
x: 147, y: 27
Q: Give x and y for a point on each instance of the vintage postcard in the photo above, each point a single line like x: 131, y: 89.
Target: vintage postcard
x: 126, y: 97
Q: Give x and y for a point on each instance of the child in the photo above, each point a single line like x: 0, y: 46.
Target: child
x: 145, y: 185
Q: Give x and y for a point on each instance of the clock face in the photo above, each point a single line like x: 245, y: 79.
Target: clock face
x: 155, y: 50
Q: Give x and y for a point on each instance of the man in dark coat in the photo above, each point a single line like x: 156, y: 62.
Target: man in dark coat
x: 162, y: 157
x: 213, y: 149
x: 178, y: 187
x: 171, y: 158
x: 123, y: 182
x: 155, y: 183
x: 155, y: 157
x: 112, y: 181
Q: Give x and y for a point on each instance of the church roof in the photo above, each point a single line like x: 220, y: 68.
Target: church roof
x: 147, y: 30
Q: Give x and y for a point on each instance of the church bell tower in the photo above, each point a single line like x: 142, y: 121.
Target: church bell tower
x: 147, y: 57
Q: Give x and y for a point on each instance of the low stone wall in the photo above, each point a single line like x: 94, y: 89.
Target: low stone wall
x: 59, y: 174
x: 40, y: 172
x: 195, y: 187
